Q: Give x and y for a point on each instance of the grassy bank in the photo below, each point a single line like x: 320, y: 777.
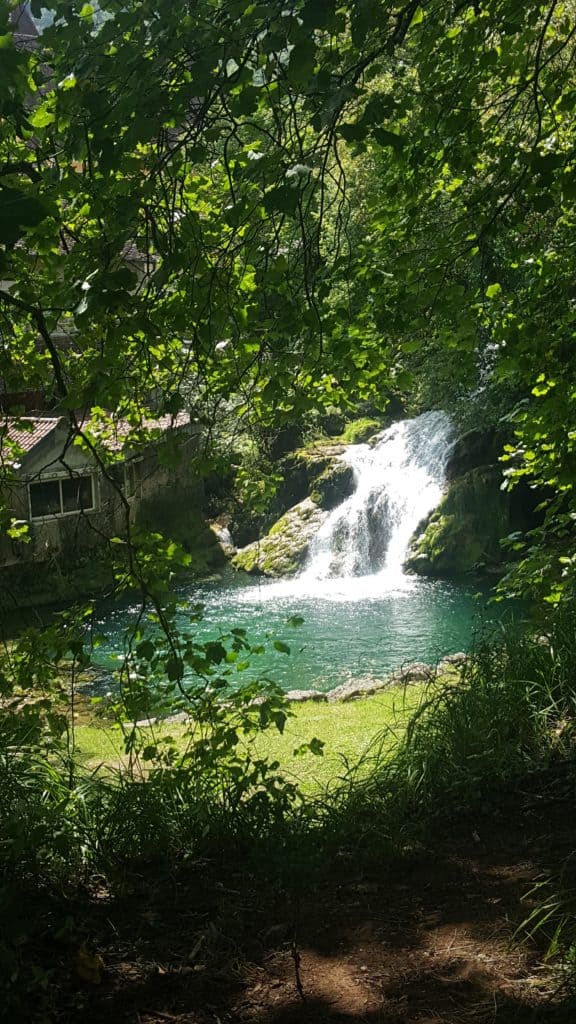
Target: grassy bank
x: 365, y: 773
x: 397, y: 769
x: 353, y: 733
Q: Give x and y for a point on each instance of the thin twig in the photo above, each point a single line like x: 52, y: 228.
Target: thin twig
x: 295, y: 953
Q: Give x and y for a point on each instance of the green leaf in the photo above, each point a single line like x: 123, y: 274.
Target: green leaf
x: 302, y: 61
x: 174, y: 668
x: 279, y: 718
x: 413, y: 345
x: 19, y: 530
x: 417, y: 17
x: 282, y: 199
x: 281, y: 646
x: 493, y: 290
x: 215, y: 652
x: 387, y: 138
x: 365, y: 17
x: 42, y: 117
x: 353, y: 131
x: 19, y: 210
x: 320, y: 14
x: 146, y: 650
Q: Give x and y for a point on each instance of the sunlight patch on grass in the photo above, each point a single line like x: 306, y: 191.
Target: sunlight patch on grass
x: 360, y: 730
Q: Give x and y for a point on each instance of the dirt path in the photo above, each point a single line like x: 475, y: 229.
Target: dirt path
x: 424, y: 942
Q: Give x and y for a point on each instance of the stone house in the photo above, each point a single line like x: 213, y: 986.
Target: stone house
x: 73, y: 506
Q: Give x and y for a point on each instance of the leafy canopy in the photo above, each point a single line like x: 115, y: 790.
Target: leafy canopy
x: 181, y: 191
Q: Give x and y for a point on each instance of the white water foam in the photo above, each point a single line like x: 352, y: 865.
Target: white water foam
x: 360, y: 550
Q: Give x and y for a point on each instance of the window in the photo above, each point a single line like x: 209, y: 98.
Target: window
x: 60, y: 497
x: 45, y: 499
x: 130, y: 479
x: 76, y: 493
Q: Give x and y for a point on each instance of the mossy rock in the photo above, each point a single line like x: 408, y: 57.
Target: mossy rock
x: 360, y: 431
x: 474, y: 449
x: 302, y: 469
x: 464, y: 533
x: 333, y: 486
x: 319, y: 455
x: 283, y: 550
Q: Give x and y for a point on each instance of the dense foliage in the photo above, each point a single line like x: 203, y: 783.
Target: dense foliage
x: 255, y: 212
x: 285, y: 207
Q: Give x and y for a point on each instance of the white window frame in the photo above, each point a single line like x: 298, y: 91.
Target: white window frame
x: 58, y: 479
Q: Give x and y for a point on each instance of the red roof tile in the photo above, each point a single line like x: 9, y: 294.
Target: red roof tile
x: 116, y: 441
x: 27, y: 438
x: 40, y: 427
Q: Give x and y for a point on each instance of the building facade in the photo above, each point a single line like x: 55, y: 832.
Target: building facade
x: 73, y: 504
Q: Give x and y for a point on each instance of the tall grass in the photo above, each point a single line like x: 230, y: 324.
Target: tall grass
x: 512, y: 710
x: 511, y: 713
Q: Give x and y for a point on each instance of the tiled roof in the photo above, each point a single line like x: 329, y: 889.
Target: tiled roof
x: 132, y: 254
x: 41, y: 426
x: 27, y: 439
x: 170, y: 422
x: 116, y: 442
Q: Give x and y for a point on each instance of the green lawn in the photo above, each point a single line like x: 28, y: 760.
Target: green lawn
x: 361, y: 729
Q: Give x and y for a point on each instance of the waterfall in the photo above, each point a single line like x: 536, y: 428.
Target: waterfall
x: 399, y: 481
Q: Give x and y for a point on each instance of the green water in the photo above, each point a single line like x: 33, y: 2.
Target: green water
x: 348, y: 632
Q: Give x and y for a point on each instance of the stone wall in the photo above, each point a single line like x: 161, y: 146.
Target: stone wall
x: 67, y: 556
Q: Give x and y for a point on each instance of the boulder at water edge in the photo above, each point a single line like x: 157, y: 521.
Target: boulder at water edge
x: 283, y: 550
x: 356, y: 688
x: 413, y: 672
x: 301, y: 696
x: 474, y: 449
x: 464, y: 532
x: 318, y: 472
x: 333, y: 486
x: 364, y: 686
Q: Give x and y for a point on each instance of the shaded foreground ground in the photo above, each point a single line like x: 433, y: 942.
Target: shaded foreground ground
x: 427, y: 939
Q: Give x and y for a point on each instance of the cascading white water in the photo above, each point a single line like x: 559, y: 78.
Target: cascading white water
x: 398, y: 482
